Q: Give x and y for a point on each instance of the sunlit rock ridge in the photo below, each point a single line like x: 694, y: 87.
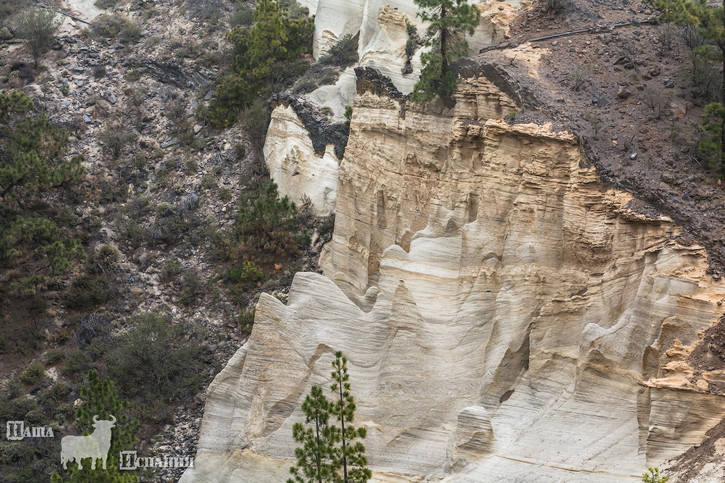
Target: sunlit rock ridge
x: 507, y: 315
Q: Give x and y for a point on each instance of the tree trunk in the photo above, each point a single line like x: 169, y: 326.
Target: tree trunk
x: 317, y: 453
x: 342, y: 423
x: 444, y: 57
x: 721, y: 44
x: 722, y: 101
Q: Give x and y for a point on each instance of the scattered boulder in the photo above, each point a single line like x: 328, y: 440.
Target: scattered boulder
x: 623, y: 93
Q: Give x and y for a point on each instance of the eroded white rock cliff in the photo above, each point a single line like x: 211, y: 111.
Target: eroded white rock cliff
x: 507, y: 316
x: 380, y: 28
x: 298, y: 170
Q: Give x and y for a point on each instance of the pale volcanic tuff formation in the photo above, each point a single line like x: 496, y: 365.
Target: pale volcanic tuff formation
x: 294, y: 162
x: 507, y: 315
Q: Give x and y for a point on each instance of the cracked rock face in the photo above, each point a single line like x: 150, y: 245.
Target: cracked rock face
x: 295, y: 166
x: 506, y: 315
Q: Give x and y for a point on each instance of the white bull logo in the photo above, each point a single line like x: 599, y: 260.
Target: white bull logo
x: 94, y: 446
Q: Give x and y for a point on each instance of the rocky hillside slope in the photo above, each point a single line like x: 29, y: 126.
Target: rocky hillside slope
x: 161, y: 189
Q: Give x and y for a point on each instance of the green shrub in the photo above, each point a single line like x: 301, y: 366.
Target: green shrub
x: 130, y: 231
x: 326, y: 227
x: 710, y: 148
x: 171, y: 227
x: 315, y: 78
x: 210, y: 59
x: 5, y: 34
x: 268, y: 228
x: 262, y: 57
x: 172, y: 268
x: 37, y: 305
x: 32, y: 374
x: 130, y: 33
x: 90, y: 329
x: 154, y: 360
x: 76, y: 363
x: 53, y: 356
x: 256, y: 121
x: 246, y: 321
x: 116, y: 25
x: 21, y: 335
x: 13, y: 389
x: 13, y: 452
x: 208, y: 182
x: 293, y: 9
x: 116, y: 138
x: 653, y: 475
x: 22, y: 406
x: 225, y: 194
x: 38, y: 28
x: 34, y: 173
x: 86, y: 292
x: 101, y: 401
x: 59, y: 391
x: 343, y: 53
x: 152, y: 42
x: 103, y: 261
x: 244, y: 16
x: 132, y: 75
x: 165, y: 209
x: 8, y: 8
x: 36, y: 416
x: 285, y: 74
x: 191, y: 288
x: 62, y: 413
x: 248, y: 274
x: 105, y: 4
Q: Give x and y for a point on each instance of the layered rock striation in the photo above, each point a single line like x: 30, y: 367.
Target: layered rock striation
x: 506, y: 314
x: 381, y: 31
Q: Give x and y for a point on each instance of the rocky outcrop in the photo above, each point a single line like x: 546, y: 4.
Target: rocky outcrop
x: 507, y: 315
x: 494, y: 27
x: 302, y: 151
x: 335, y: 18
x: 320, y: 130
x: 172, y: 73
x: 381, y: 30
x: 292, y: 162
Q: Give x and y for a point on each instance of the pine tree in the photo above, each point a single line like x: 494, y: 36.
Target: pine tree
x: 101, y: 399
x: 33, y: 170
x: 709, y: 24
x: 449, y: 20
x: 712, y: 146
x: 314, y: 464
x: 38, y: 29
x: 330, y: 453
x: 653, y: 475
x: 259, y: 55
x: 350, y: 455
x: 267, y: 39
x: 268, y: 228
